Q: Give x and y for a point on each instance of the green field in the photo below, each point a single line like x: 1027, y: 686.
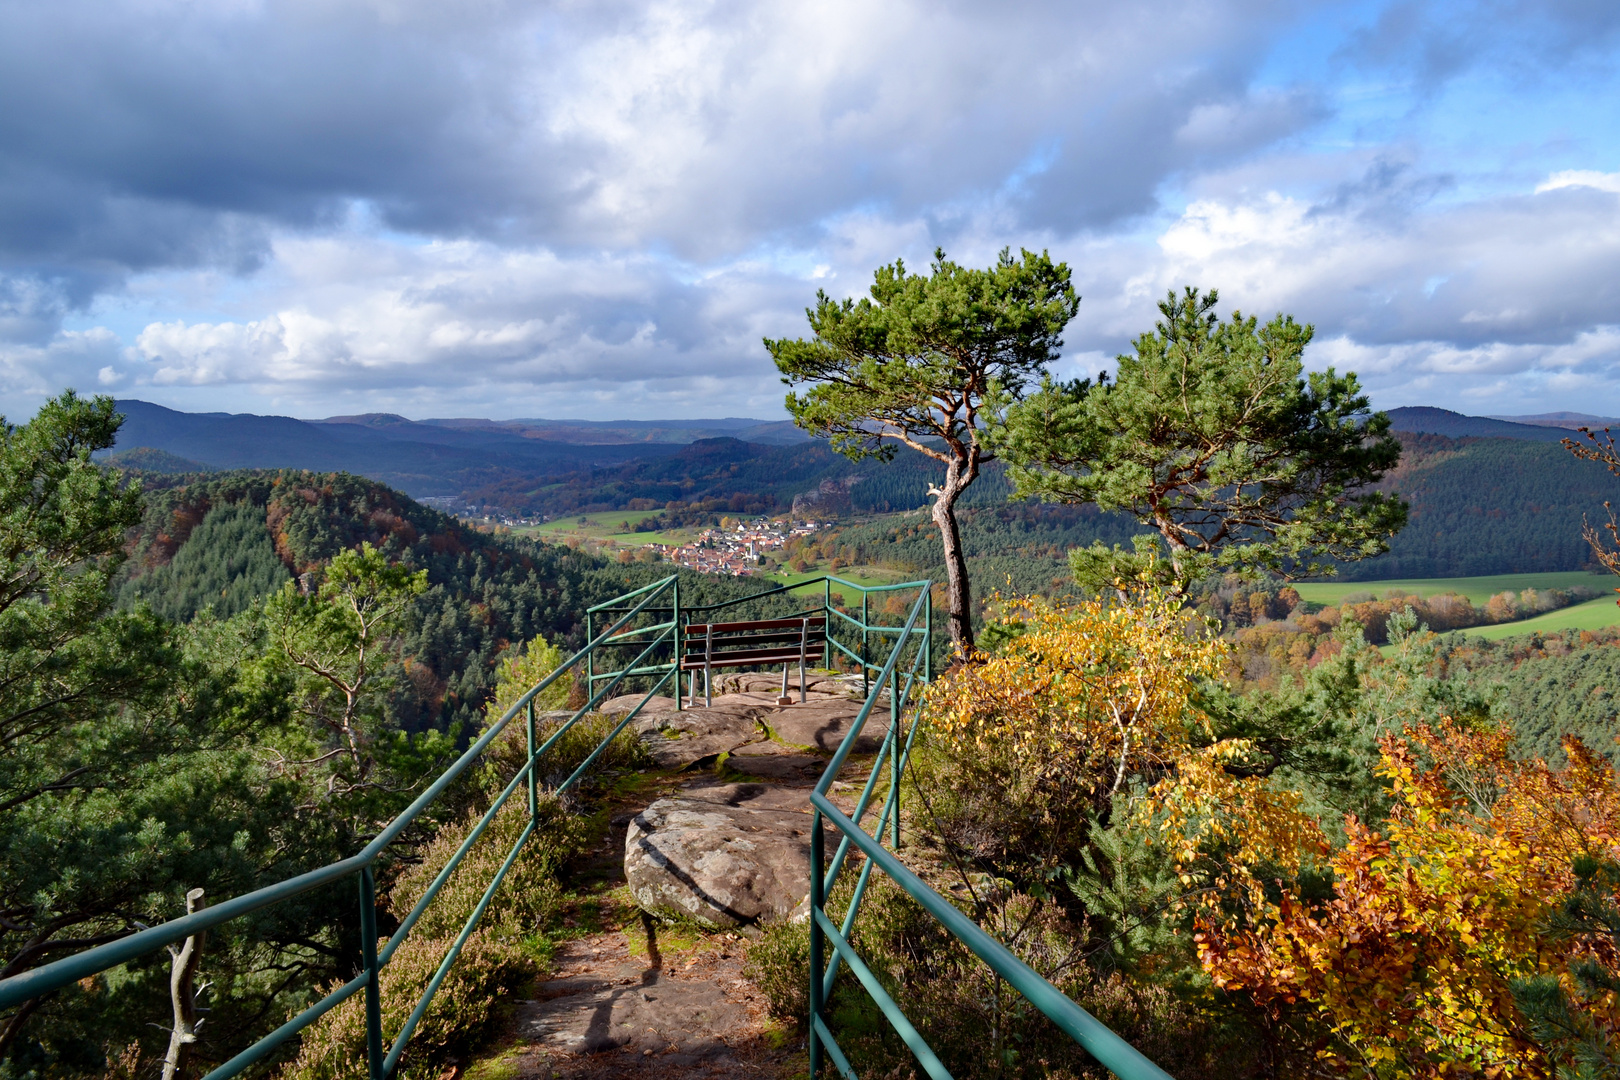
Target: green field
x: 1592, y: 615
x: 1477, y: 589
x: 607, y: 526
x: 860, y: 575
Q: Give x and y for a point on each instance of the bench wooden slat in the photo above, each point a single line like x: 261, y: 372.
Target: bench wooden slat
x: 752, y: 657
x: 700, y: 629
x: 699, y: 645
x: 757, y: 643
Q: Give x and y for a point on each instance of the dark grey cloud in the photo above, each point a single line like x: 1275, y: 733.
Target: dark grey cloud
x: 133, y: 127
x: 1436, y: 40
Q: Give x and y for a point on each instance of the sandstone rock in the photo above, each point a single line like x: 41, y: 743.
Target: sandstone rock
x: 777, y: 763
x: 678, y: 739
x: 730, y: 855
x: 821, y: 725
x: 625, y: 702
x: 623, y: 1005
x: 770, y: 683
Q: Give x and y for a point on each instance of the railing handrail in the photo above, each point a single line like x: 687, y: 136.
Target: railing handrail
x: 818, y: 580
x: 70, y: 969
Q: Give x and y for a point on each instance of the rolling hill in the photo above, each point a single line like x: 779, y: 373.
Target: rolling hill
x: 1488, y: 495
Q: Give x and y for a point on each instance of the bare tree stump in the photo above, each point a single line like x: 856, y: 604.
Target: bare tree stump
x: 183, y: 997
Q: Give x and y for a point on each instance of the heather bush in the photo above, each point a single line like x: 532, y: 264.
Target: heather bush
x: 464, y: 1010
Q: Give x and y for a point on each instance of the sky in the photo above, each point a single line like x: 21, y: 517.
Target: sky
x: 598, y: 210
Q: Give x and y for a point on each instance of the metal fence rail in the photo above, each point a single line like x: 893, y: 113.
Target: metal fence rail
x: 1124, y: 1060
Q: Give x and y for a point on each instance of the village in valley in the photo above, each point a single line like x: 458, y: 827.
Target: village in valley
x: 732, y: 546
x: 739, y: 549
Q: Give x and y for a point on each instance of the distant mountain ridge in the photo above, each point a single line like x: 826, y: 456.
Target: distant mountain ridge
x: 1426, y: 420
x: 419, y: 459
x: 603, y: 432
x: 1569, y: 420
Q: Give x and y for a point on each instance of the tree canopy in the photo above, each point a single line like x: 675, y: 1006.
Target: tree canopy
x: 930, y: 362
x: 1213, y: 433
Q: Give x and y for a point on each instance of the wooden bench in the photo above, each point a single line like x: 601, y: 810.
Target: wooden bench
x: 753, y: 644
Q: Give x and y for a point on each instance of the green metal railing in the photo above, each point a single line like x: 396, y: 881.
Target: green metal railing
x: 381, y: 1064
x: 845, y: 635
x: 1124, y: 1060
x: 650, y: 622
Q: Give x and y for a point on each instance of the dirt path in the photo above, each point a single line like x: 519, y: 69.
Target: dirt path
x: 613, y: 1009
x: 634, y: 997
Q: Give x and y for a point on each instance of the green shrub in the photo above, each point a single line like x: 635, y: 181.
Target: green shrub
x: 529, y: 897
x: 779, y: 964
x: 463, y: 1011
x: 497, y: 959
x: 506, y: 755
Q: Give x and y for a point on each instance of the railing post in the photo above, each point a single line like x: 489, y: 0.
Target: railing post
x: 866, y: 682
x: 817, y: 902
x: 678, y: 637
x: 368, y: 950
x: 590, y: 657
x: 534, y: 790
x: 928, y: 635
x: 895, y: 751
x: 826, y: 606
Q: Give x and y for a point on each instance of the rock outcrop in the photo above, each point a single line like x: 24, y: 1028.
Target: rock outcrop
x: 724, y: 855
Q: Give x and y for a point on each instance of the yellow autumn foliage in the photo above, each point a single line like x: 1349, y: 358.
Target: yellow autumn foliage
x: 1090, y: 691
x: 1094, y: 700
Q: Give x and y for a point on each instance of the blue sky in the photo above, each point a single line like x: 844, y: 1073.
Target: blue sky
x: 503, y: 209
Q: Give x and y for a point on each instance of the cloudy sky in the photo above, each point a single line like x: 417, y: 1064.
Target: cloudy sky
x: 596, y: 210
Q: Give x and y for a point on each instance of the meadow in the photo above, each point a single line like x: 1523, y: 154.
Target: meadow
x: 607, y: 525
x: 1592, y: 615
x: 859, y: 575
x: 1477, y: 589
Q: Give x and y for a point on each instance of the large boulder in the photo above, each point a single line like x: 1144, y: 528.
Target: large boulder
x: 726, y: 856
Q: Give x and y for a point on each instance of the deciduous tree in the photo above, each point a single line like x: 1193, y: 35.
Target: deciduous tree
x: 1439, y: 931
x: 930, y: 362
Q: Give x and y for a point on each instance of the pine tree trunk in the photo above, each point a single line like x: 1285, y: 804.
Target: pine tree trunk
x: 959, y: 595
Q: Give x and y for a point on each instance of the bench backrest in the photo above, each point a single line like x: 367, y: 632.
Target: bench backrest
x: 767, y: 641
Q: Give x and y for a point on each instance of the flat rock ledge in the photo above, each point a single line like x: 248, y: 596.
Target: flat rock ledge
x: 728, y: 856
x: 736, y: 720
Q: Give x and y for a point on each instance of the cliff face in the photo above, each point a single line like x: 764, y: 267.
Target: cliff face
x: 830, y: 500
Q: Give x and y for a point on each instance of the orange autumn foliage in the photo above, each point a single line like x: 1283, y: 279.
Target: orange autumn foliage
x: 1411, y: 961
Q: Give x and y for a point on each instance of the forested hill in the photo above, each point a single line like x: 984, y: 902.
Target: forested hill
x: 224, y: 540
x: 1489, y: 506
x: 729, y: 475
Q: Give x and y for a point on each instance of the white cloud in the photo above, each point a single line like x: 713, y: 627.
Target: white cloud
x: 1588, y: 178
x: 600, y: 209
x: 30, y: 373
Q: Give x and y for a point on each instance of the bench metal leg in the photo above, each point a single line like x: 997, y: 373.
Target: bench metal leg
x: 804, y: 642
